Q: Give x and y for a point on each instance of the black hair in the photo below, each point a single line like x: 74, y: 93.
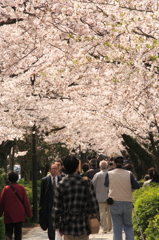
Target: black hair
x: 112, y: 159
x: 118, y: 160
x: 111, y: 164
x: 153, y: 172
x: 12, y: 176
x: 85, y: 167
x: 89, y: 157
x: 93, y: 163
x: 70, y: 164
x: 128, y: 166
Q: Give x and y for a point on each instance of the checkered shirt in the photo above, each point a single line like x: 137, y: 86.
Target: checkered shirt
x: 70, y: 211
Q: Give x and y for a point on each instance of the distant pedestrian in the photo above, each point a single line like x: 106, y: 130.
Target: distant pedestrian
x: 70, y: 211
x: 88, y: 159
x: 121, y: 183
x: 129, y: 167
x: 154, y: 176
x: 85, y: 167
x: 102, y: 195
x: 93, y: 169
x: 15, y: 205
x: 110, y: 166
x: 126, y: 159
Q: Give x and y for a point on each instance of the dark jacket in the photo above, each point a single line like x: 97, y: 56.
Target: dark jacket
x: 91, y: 172
x: 155, y: 180
x: 46, y: 201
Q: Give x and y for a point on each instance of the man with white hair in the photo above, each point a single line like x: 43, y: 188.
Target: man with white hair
x: 102, y: 195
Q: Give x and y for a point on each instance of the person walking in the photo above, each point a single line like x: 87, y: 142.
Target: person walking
x: 48, y: 188
x: 93, y: 169
x: 154, y: 176
x: 15, y: 205
x: 85, y: 167
x: 70, y: 211
x: 120, y: 183
x: 102, y: 195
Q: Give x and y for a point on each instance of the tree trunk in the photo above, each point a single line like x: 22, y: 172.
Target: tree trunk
x: 11, y: 158
x: 154, y: 150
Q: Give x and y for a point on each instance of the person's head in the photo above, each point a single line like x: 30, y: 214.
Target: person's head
x: 12, y: 176
x: 53, y: 169
x: 93, y: 163
x: 111, y: 164
x: 111, y: 159
x: 118, y: 160
x: 128, y: 166
x: 59, y: 165
x: 89, y: 158
x: 152, y: 172
x: 103, y: 164
x: 71, y: 164
x: 127, y: 157
x: 147, y: 177
x: 85, y: 167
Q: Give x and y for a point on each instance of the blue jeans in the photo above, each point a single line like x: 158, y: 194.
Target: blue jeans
x: 121, y: 213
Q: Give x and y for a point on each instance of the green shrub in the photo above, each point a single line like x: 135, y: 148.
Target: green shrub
x: 2, y: 184
x: 146, y: 203
x: 2, y: 229
x: 152, y: 232
x: 28, y: 187
x: 2, y: 179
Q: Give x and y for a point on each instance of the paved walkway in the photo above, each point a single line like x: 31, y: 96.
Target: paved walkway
x: 38, y: 233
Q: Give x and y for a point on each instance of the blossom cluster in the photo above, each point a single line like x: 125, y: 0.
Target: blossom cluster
x: 90, y: 66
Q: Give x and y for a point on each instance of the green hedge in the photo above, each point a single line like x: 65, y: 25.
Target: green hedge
x: 28, y: 187
x: 3, y: 177
x: 2, y: 229
x: 2, y: 184
x: 152, y: 231
x: 146, y: 205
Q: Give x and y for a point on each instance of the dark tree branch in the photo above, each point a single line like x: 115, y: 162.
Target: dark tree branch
x: 10, y: 21
x: 140, y: 32
x: 135, y: 9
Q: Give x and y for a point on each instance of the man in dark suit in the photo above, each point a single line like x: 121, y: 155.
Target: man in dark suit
x: 48, y: 188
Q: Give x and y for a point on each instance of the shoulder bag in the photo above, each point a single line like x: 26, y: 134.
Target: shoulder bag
x: 16, y: 194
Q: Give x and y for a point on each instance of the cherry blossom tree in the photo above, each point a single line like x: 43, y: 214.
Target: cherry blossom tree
x: 88, y: 67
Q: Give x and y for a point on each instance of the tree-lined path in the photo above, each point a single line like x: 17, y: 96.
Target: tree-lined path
x: 37, y: 233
